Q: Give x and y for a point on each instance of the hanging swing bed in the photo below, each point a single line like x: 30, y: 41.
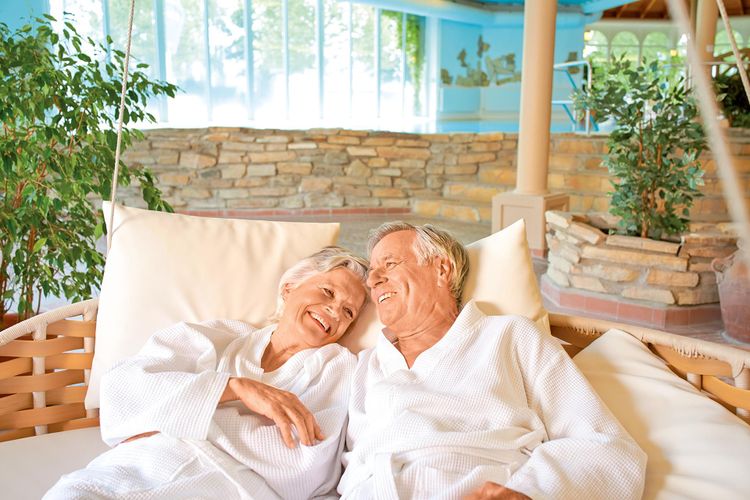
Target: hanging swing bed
x: 685, y: 401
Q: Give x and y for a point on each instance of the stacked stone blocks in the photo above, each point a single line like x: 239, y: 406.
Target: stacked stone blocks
x: 452, y: 176
x: 583, y: 255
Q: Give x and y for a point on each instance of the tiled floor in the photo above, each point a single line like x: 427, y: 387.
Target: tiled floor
x: 354, y: 234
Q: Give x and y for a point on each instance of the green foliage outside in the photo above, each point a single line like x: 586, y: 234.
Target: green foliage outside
x: 58, y: 109
x: 654, y: 148
x: 415, y: 30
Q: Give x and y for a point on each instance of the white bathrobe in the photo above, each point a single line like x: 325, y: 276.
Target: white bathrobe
x: 494, y: 400
x: 174, y: 385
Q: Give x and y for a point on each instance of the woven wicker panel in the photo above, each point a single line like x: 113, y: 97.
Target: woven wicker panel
x: 43, y: 382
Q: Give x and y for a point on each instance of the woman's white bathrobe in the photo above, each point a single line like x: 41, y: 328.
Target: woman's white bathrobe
x: 173, y: 386
x: 494, y: 400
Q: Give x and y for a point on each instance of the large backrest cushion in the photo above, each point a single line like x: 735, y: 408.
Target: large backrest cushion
x: 165, y: 268
x: 695, y: 447
x: 501, y: 280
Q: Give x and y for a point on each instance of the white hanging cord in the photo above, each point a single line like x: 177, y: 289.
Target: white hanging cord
x: 116, y: 173
x: 735, y: 50
x: 709, y: 111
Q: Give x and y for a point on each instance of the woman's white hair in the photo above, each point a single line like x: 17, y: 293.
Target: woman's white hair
x: 327, y: 259
x: 430, y: 242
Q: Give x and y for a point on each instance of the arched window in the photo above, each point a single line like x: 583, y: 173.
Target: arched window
x: 595, y: 46
x: 656, y: 47
x: 722, y: 46
x: 625, y: 43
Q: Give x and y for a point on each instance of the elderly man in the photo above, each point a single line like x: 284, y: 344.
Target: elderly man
x: 451, y: 403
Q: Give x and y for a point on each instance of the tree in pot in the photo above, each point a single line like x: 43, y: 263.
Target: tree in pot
x: 58, y: 109
x: 653, y: 149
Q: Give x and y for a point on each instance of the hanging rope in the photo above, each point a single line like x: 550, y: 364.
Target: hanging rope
x: 709, y: 111
x: 735, y: 50
x: 116, y: 172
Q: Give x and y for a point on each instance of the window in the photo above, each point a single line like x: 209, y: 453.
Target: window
x: 626, y: 43
x: 596, y: 46
x: 656, y: 47
x: 270, y: 60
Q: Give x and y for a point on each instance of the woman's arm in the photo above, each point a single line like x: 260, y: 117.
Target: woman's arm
x: 283, y: 407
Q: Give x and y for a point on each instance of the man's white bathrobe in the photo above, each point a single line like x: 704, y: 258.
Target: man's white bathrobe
x: 173, y: 386
x: 494, y: 400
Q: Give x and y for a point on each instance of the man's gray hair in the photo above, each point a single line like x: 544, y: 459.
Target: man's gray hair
x: 323, y: 261
x: 430, y: 242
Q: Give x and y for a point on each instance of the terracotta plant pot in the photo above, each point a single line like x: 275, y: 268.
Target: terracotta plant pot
x: 733, y: 279
x: 9, y: 319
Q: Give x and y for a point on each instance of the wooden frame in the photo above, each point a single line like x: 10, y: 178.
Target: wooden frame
x: 45, y: 364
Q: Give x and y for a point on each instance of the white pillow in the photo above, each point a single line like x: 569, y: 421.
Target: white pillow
x: 695, y: 447
x: 164, y: 268
x: 501, y: 280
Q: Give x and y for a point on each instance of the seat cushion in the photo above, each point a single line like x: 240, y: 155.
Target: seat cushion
x: 30, y: 466
x: 164, y: 268
x: 695, y: 447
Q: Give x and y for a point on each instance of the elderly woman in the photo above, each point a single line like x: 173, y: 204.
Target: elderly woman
x: 215, y: 409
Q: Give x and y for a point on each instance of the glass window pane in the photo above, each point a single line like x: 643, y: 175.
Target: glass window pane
x: 656, y: 47
x: 390, y: 64
x: 86, y: 15
x: 269, y: 86
x: 363, y: 62
x: 416, y: 88
x: 625, y: 43
x: 228, y: 69
x: 336, y: 56
x: 596, y: 49
x: 186, y: 65
x: 303, y: 77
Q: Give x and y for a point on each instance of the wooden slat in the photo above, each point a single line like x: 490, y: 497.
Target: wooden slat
x: 28, y: 348
x: 16, y: 434
x: 40, y: 383
x: 70, y: 361
x: 66, y: 395
x: 78, y: 423
x: 15, y: 402
x: 42, y: 416
x: 644, y: 12
x: 739, y: 398
x: 72, y: 328
x: 14, y: 367
x: 572, y: 336
x: 703, y: 366
x: 571, y: 349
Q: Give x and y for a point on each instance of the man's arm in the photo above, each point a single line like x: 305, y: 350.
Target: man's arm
x: 587, y: 453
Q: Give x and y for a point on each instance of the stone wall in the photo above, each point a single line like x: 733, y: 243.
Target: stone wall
x: 453, y: 176
x: 582, y: 255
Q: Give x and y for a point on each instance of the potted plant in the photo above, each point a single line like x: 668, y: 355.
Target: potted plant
x: 58, y: 109
x: 653, y: 148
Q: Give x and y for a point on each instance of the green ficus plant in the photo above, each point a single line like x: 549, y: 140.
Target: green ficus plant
x: 653, y: 149
x: 58, y: 110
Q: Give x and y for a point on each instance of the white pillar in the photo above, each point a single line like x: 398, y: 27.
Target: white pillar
x: 530, y: 198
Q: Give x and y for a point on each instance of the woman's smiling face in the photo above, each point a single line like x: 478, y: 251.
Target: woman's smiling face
x: 320, y: 309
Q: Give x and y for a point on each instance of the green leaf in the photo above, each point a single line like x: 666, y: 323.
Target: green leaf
x: 39, y: 245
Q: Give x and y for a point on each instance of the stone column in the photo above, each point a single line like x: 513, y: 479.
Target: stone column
x: 707, y: 15
x: 530, y: 199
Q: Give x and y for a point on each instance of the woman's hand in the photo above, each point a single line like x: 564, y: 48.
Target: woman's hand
x: 494, y: 491
x: 283, y: 407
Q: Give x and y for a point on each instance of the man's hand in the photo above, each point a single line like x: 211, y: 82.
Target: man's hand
x: 494, y: 491
x: 283, y: 407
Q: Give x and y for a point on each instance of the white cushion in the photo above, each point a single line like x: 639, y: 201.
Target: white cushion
x: 164, y: 268
x: 501, y: 280
x: 695, y: 447
x: 32, y: 465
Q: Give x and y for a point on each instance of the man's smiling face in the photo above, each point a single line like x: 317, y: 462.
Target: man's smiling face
x: 402, y: 289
